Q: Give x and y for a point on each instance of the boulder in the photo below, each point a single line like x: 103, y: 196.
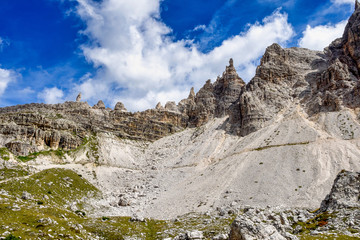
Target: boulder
x: 344, y: 193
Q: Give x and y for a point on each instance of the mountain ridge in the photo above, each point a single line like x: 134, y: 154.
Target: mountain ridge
x: 278, y: 141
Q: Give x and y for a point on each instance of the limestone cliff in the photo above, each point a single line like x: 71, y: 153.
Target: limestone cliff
x: 316, y: 81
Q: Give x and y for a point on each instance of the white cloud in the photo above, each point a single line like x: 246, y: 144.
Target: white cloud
x: 51, y: 95
x: 199, y: 28
x: 340, y: 2
x: 140, y: 64
x: 6, y: 76
x: 319, y: 37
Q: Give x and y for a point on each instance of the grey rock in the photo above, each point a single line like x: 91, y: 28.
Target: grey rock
x: 195, y: 235
x: 78, y: 98
x: 245, y: 229
x: 171, y: 106
x: 26, y: 196
x: 124, y: 202
x: 120, y: 107
x: 100, y: 105
x: 344, y: 193
x: 221, y: 237
x: 159, y: 106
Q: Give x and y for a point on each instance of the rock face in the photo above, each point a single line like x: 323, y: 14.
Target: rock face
x: 120, y: 107
x: 282, y: 77
x: 344, y: 193
x: 263, y: 224
x: 99, y: 105
x: 34, y: 127
x: 245, y: 229
x: 339, y: 211
x: 213, y: 100
x: 315, y: 81
x: 78, y: 98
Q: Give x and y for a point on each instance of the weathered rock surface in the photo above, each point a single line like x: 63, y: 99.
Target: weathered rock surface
x: 298, y: 119
x: 78, y: 98
x: 339, y: 214
x: 262, y: 224
x: 120, y: 107
x: 99, y: 105
x: 213, y: 100
x: 345, y: 192
x: 34, y: 127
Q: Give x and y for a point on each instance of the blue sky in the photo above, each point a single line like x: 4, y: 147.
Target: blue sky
x: 145, y: 51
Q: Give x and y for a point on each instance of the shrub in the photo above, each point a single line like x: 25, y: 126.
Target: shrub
x: 11, y: 237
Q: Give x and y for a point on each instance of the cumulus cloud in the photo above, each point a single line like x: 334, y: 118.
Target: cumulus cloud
x: 319, y: 37
x: 6, y: 76
x: 140, y: 64
x: 51, y: 95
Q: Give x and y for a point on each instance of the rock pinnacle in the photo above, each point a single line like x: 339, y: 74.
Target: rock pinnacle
x: 231, y: 62
x: 78, y: 98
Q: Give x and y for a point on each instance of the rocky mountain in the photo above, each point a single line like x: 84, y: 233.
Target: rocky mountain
x: 268, y: 151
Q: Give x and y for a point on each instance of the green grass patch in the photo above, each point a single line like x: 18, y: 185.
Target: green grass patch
x: 64, y: 185
x: 60, y: 153
x: 4, y: 154
x: 326, y: 236
x: 319, y: 220
x: 8, y: 173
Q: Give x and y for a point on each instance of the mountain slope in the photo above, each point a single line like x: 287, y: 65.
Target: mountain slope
x: 279, y: 140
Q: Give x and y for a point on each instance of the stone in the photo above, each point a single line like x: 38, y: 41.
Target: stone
x: 78, y: 98
x: 100, y: 105
x: 344, y: 193
x: 171, y: 106
x: 159, y: 106
x: 137, y: 218
x: 192, y: 94
x: 26, y: 196
x: 195, y: 235
x: 221, y: 237
x: 245, y: 229
x: 20, y: 148
x: 124, y: 202
x: 120, y: 107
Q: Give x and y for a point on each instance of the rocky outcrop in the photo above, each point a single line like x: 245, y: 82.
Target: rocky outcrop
x: 171, y: 106
x: 283, y: 76
x: 120, y: 107
x: 339, y: 212
x: 264, y: 224
x: 78, y: 98
x: 100, y: 105
x: 213, y: 99
x: 345, y: 192
x: 34, y: 127
x: 316, y: 81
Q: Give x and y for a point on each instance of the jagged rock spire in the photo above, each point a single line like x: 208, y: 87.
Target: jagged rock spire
x: 357, y: 4
x: 192, y: 94
x: 78, y: 98
x: 230, y: 74
x: 99, y: 105
x: 120, y: 107
x: 159, y: 106
x: 231, y: 62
